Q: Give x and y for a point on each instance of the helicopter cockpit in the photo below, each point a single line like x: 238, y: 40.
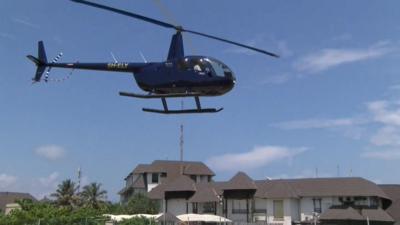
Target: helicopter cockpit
x: 205, y: 66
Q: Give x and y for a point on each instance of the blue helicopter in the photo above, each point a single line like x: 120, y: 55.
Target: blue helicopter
x: 178, y: 76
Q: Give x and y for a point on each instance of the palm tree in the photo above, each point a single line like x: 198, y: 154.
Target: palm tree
x: 92, y: 195
x: 65, y: 195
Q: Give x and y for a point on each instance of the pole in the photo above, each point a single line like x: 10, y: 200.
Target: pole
x: 165, y: 209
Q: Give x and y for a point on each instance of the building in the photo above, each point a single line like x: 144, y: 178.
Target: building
x: 188, y: 187
x: 393, y: 191
x: 9, y: 198
x: 147, y: 176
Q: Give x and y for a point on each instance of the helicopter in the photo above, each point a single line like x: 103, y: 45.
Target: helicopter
x: 178, y: 76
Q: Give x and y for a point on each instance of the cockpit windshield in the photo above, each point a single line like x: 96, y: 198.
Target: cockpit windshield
x: 204, y: 66
x: 219, y: 68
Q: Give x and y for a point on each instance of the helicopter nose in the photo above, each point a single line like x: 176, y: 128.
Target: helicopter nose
x: 233, y: 79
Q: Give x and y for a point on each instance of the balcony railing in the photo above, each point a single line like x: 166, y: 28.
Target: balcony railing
x: 260, y: 211
x: 239, y: 211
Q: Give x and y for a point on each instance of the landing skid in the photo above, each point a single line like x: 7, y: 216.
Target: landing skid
x: 165, y: 105
x: 187, y: 111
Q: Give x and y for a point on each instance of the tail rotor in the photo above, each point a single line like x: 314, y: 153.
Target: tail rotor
x: 58, y: 57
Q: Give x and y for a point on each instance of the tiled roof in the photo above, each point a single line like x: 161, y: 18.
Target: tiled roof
x: 240, y: 181
x: 311, y: 187
x: 139, y: 183
x: 341, y: 214
x: 393, y: 191
x: 174, y: 168
x: 376, y: 215
x: 205, y: 192
x: 275, y: 189
x: 181, y: 183
x: 350, y: 213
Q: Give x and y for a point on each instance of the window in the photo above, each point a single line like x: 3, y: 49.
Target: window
x: 374, y: 202
x: 209, y: 207
x: 218, y: 68
x: 278, y: 209
x: 360, y: 201
x: 193, y: 177
x: 317, y: 205
x: 239, y: 206
x: 154, y: 178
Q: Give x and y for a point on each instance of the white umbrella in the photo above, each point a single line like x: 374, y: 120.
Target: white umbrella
x: 119, y: 218
x: 203, y: 218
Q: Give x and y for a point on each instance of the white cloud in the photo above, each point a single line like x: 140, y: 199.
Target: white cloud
x: 385, y: 112
x: 276, y: 79
x: 386, y: 136
x: 258, y: 157
x: 328, y: 58
x: 7, y: 181
x: 320, y: 123
x: 382, y: 154
x: 343, y: 37
x: 50, y: 152
x: 283, y: 49
x: 6, y: 35
x: 49, y: 181
x: 25, y: 23
x: 44, y: 186
x: 307, y: 173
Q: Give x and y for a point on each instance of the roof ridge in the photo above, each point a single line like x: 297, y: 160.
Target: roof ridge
x: 175, y: 161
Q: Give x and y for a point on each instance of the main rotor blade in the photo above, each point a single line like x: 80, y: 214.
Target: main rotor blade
x: 126, y: 13
x: 168, y: 25
x: 233, y: 43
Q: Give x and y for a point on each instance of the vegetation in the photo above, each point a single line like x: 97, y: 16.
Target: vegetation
x: 140, y: 203
x: 92, y: 196
x: 49, y: 214
x: 137, y: 221
x: 65, y: 195
x: 69, y: 207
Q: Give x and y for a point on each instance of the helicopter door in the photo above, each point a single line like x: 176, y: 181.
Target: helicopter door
x: 168, y: 72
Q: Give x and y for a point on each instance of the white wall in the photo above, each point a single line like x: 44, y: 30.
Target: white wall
x: 295, y: 209
x: 151, y: 185
x: 242, y: 217
x: 290, y: 208
x: 130, y: 180
x: 177, y: 206
x: 307, y: 206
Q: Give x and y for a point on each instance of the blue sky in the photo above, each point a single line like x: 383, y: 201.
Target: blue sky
x: 331, y: 103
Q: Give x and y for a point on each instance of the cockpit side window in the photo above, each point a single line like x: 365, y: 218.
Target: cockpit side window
x: 199, y: 66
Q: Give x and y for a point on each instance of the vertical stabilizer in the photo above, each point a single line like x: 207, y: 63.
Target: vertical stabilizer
x: 41, y: 62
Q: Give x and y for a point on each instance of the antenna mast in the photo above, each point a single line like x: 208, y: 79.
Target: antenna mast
x: 79, y: 179
x: 181, y: 141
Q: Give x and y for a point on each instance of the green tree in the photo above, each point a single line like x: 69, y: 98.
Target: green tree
x: 65, y: 195
x: 140, y: 203
x: 48, y: 214
x: 93, y: 196
x: 137, y: 221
